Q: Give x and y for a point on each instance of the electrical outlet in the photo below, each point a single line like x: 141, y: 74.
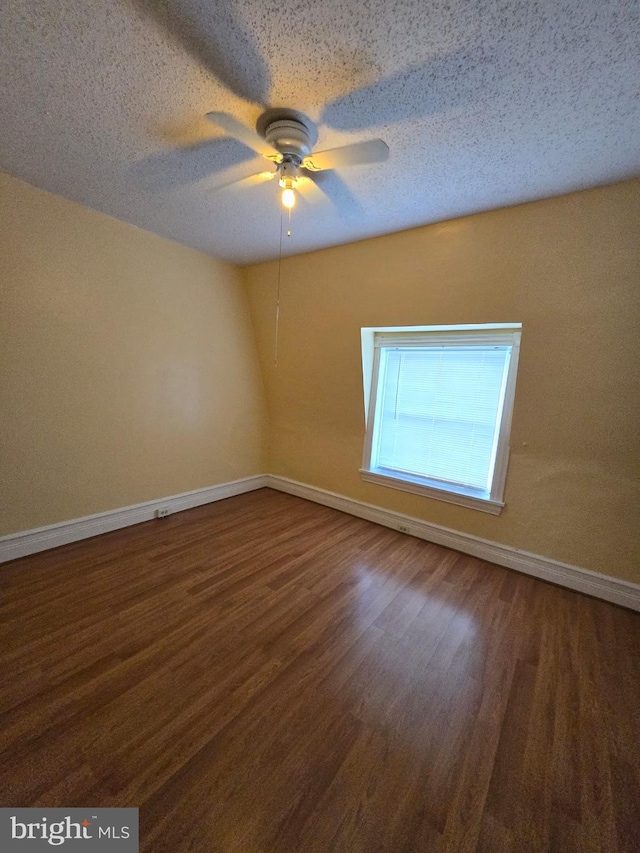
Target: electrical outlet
x: 404, y: 528
x: 162, y: 513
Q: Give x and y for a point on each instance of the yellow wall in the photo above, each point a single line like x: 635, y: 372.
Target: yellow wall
x: 129, y: 370
x: 569, y: 270
x: 128, y: 365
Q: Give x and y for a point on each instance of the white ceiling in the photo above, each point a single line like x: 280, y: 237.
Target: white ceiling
x: 483, y: 103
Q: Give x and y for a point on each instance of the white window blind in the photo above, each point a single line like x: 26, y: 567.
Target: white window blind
x: 440, y: 411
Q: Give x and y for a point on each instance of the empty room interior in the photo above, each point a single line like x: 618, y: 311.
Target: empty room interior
x: 319, y: 463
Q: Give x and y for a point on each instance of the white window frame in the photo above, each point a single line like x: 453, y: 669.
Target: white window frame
x: 500, y: 334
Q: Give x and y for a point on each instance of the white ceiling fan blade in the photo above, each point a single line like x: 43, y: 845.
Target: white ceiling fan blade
x: 310, y: 191
x: 244, y: 134
x: 328, y: 189
x: 251, y: 180
x: 358, y: 154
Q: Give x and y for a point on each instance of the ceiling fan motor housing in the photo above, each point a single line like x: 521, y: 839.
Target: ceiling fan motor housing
x: 291, y: 138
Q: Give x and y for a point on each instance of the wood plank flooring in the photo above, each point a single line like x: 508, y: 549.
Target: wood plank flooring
x: 266, y: 675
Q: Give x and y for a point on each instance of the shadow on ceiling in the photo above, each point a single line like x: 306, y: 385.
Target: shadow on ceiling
x: 214, y: 35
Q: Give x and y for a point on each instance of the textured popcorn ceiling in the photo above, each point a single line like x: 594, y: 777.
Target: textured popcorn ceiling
x: 482, y: 103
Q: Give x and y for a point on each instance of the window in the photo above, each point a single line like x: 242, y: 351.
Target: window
x: 439, y: 412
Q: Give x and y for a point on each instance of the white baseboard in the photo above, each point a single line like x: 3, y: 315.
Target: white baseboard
x: 582, y: 580
x: 573, y: 577
x: 40, y: 539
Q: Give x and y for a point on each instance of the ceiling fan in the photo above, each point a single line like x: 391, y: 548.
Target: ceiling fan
x: 285, y: 138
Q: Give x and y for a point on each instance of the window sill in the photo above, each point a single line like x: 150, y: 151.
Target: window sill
x: 483, y: 504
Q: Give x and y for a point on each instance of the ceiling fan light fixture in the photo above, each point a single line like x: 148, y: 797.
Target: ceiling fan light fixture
x: 288, y: 179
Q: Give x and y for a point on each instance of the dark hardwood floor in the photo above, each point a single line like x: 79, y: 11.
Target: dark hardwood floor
x: 263, y: 675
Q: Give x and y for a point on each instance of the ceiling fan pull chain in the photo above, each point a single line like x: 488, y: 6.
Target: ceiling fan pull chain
x: 275, y: 359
